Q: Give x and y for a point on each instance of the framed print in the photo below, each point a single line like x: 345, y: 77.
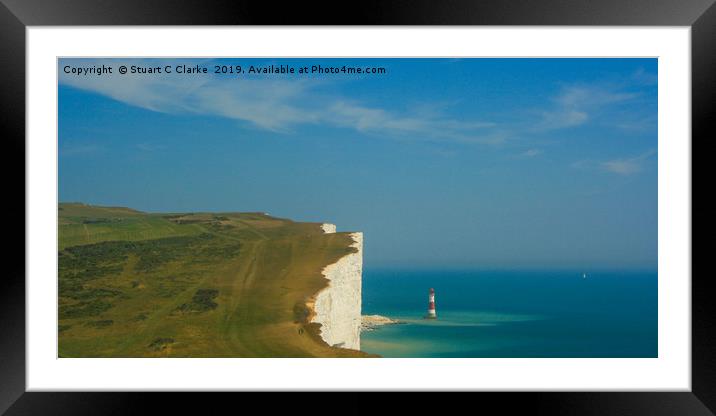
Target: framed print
x: 441, y: 198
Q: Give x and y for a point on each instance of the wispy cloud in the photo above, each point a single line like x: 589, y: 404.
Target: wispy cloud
x: 627, y: 166
x: 268, y: 104
x: 531, y: 153
x: 621, y: 166
x: 634, y: 124
x: 644, y: 77
x: 282, y: 104
x: 367, y: 119
x: 278, y: 105
x: 575, y: 104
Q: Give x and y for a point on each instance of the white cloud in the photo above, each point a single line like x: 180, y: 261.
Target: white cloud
x: 531, y: 153
x: 273, y: 104
x: 590, y: 97
x: 627, y: 166
x: 638, y: 125
x: 562, y: 118
x: 281, y: 104
x: 574, y: 105
x: 621, y: 166
x: 264, y: 103
x: 643, y: 77
x: 376, y: 120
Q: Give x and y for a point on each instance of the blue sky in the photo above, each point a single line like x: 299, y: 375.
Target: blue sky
x: 440, y: 162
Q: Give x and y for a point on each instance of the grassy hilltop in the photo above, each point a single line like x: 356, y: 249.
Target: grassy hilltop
x: 133, y: 284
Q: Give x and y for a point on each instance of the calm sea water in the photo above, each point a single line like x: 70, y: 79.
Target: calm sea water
x: 513, y: 313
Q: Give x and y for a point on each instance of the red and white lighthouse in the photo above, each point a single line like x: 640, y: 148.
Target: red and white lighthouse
x: 431, y: 305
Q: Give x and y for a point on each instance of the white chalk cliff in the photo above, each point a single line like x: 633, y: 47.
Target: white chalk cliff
x: 328, y: 228
x: 338, y: 307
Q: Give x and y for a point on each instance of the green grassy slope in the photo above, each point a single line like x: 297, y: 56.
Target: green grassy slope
x: 84, y: 224
x: 190, y: 285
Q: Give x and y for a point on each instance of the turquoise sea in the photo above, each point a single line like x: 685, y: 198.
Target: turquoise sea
x: 538, y: 313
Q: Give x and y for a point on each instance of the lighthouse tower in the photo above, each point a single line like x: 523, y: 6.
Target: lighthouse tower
x: 431, y: 305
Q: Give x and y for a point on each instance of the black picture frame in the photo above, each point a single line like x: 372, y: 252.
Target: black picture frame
x: 15, y: 15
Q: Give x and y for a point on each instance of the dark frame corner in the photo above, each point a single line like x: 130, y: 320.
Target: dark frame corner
x: 15, y: 15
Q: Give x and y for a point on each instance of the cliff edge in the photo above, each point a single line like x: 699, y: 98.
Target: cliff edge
x: 338, y: 307
x: 204, y: 284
